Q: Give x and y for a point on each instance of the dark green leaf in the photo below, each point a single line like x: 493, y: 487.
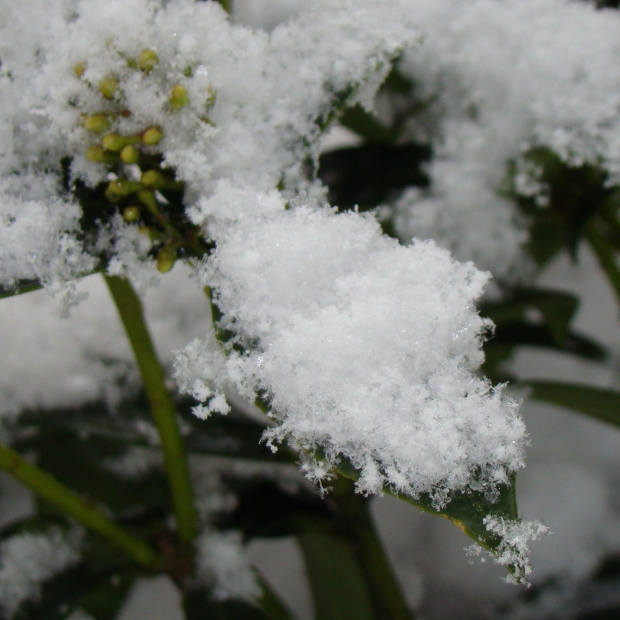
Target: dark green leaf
x: 366, y: 125
x: 367, y: 175
x: 596, y: 402
x: 198, y: 605
x: 465, y: 509
x: 266, y: 509
x: 84, y: 464
x: 336, y: 581
x: 527, y: 334
x: 23, y: 286
x: 557, y: 307
x: 606, y: 255
x: 105, y: 601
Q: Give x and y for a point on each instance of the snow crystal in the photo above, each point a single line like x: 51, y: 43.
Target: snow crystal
x: 37, y: 235
x: 513, y: 549
x: 27, y: 560
x: 500, y: 78
x: 366, y: 349
x: 223, y: 564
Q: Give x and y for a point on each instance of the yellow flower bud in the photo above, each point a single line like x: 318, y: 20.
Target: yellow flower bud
x: 119, y: 188
x: 113, y: 142
x: 79, y: 69
x: 108, y: 87
x: 116, y: 142
x: 130, y: 154
x: 153, y: 179
x: 148, y: 60
x: 97, y: 123
x: 179, y: 97
x: 166, y: 259
x: 152, y: 135
x: 131, y: 214
x: 96, y: 153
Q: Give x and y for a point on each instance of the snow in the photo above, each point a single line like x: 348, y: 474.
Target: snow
x: 502, y: 78
x: 365, y: 349
x: 29, y: 559
x: 223, y: 564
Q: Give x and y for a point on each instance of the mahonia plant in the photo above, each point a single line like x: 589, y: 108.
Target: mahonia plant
x: 149, y: 133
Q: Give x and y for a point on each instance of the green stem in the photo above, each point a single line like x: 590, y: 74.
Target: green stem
x: 385, y: 591
x: 80, y: 509
x: 162, y: 407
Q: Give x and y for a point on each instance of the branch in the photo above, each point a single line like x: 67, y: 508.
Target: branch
x: 80, y: 509
x: 162, y: 407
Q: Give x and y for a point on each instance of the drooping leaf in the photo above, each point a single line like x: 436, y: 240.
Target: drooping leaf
x: 465, y: 509
x: 595, y: 402
x: 336, y: 581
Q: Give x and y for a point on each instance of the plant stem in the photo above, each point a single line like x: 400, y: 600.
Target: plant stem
x: 162, y: 407
x: 80, y: 509
x: 385, y: 591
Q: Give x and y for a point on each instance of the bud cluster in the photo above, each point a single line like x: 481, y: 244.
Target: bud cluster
x: 140, y: 185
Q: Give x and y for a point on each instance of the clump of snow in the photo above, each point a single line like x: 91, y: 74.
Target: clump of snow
x: 37, y: 235
x: 500, y: 78
x: 365, y: 349
x: 513, y: 551
x: 222, y: 563
x: 27, y: 560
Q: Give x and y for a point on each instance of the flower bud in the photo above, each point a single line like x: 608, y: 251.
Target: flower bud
x: 79, y: 69
x: 108, y: 87
x: 152, y: 135
x: 130, y: 154
x: 131, y: 214
x: 166, y: 259
x: 113, y: 142
x: 97, y: 123
x: 148, y: 60
x: 179, y: 97
x: 96, y: 153
x: 119, y: 188
x: 153, y: 179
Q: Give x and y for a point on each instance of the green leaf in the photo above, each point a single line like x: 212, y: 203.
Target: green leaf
x: 19, y: 288
x: 337, y: 584
x: 367, y: 175
x: 105, y: 601
x: 81, y: 462
x: 266, y: 509
x: 607, y: 256
x: 466, y: 509
x: 557, y: 307
x: 598, y: 403
x: 366, y: 125
x: 198, y: 605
